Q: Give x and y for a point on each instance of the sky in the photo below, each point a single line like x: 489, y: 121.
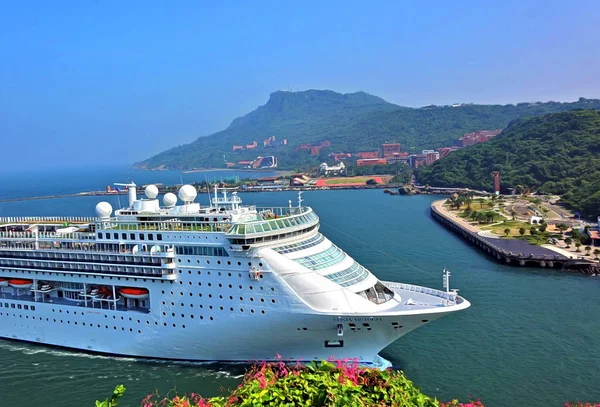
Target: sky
x: 114, y: 82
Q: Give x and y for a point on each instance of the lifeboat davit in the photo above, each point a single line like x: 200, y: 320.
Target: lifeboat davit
x: 3, y: 282
x: 19, y: 283
x: 134, y: 293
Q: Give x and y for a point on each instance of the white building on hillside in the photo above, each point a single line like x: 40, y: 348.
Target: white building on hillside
x: 332, y: 170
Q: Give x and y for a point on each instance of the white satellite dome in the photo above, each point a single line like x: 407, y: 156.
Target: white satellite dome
x: 170, y: 199
x: 187, y: 193
x: 103, y: 210
x: 151, y: 191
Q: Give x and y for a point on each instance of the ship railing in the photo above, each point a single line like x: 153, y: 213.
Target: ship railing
x: 47, y: 219
x: 452, y: 296
x: 47, y: 235
x: 166, y: 251
x: 178, y: 225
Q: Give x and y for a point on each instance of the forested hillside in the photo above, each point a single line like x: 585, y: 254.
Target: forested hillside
x: 554, y: 153
x: 352, y: 122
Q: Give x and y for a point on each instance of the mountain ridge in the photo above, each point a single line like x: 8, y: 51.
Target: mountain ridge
x: 353, y: 122
x: 556, y: 153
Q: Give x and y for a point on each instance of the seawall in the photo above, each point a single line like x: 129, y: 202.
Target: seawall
x: 512, y: 252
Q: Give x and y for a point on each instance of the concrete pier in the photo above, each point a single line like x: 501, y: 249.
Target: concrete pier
x: 513, y: 252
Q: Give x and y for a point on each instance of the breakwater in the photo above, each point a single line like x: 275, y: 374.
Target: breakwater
x: 512, y: 252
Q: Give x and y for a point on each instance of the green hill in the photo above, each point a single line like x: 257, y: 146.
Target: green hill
x: 554, y: 153
x: 352, y: 122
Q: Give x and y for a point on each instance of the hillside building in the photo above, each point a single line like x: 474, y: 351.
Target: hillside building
x: 332, y: 170
x: 481, y: 136
x: 389, y: 149
x: 401, y: 157
x: 371, y: 162
x: 431, y: 156
x: 368, y: 154
x: 340, y: 156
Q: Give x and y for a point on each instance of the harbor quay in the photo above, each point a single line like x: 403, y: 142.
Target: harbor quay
x: 512, y: 252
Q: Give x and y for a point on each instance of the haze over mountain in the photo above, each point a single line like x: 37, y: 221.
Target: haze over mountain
x: 352, y: 122
x: 555, y: 153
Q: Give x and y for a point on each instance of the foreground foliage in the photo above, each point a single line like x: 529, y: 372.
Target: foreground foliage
x: 340, y: 383
x: 555, y: 153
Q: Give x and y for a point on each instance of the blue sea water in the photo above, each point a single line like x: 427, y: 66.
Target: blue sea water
x: 530, y: 337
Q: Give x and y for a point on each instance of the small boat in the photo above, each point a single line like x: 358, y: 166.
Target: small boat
x: 135, y: 293
x: 20, y: 283
x: 3, y: 282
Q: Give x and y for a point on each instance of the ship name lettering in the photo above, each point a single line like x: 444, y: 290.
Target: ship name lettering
x: 374, y: 319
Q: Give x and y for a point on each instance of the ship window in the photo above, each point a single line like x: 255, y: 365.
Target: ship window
x: 19, y: 306
x: 12, y: 305
x: 123, y: 236
x: 141, y: 236
x: 158, y: 236
x: 26, y: 307
x: 150, y: 236
x: 132, y: 236
x: 100, y: 235
x: 116, y: 235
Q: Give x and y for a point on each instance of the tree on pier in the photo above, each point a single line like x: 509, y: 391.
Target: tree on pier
x: 522, y: 231
x: 577, y: 245
x: 568, y: 242
x: 507, y: 232
x: 596, y: 253
x: 588, y: 249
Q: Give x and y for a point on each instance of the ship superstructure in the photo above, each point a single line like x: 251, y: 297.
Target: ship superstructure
x: 181, y: 281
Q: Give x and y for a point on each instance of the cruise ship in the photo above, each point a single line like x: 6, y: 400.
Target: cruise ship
x: 221, y: 282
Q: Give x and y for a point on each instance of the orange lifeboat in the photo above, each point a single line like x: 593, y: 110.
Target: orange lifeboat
x: 134, y: 293
x: 20, y: 283
x: 3, y: 282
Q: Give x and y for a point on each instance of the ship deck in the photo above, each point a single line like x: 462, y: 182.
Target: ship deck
x: 92, y: 304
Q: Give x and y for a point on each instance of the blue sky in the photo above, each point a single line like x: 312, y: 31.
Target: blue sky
x: 111, y: 82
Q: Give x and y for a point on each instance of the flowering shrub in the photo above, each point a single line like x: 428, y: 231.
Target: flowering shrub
x: 331, y: 383
x: 456, y: 403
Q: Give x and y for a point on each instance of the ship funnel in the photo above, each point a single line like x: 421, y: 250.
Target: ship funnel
x: 131, y: 192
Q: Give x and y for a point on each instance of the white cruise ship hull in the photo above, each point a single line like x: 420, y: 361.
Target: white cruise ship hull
x: 220, y: 283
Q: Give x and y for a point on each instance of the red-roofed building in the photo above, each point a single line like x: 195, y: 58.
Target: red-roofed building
x: 340, y: 156
x: 444, y: 151
x: 251, y: 146
x: 481, y: 136
x: 245, y: 162
x: 397, y: 158
x: 238, y: 148
x: 371, y: 162
x: 368, y: 154
x: 389, y: 149
x: 315, y: 150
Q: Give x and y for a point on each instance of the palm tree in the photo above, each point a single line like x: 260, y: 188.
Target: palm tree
x: 568, y: 242
x: 588, y: 249
x: 577, y: 245
x: 596, y: 253
x: 507, y: 232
